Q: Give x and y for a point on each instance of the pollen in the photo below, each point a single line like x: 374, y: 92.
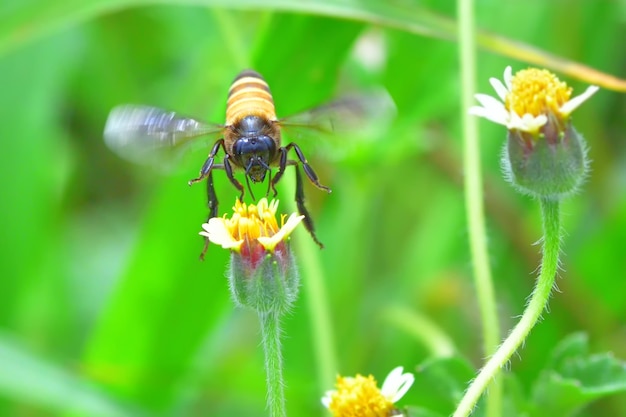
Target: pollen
x: 537, y: 91
x: 359, y: 397
x: 249, y: 222
x: 251, y: 228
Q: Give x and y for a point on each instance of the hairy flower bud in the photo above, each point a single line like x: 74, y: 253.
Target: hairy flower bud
x: 263, y: 274
x: 552, y: 167
x: 269, y: 284
x: 544, y: 155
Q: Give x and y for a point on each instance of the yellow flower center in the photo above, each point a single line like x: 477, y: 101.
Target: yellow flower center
x: 535, y: 92
x: 250, y: 222
x: 359, y: 397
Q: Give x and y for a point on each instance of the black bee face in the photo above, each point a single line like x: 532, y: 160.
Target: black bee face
x: 254, y: 154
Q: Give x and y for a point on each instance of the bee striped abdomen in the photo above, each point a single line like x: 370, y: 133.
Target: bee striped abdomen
x: 249, y: 95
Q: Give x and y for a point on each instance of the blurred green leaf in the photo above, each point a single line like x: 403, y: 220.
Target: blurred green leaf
x: 28, y: 378
x: 574, y: 378
x: 440, y: 384
x: 420, y: 412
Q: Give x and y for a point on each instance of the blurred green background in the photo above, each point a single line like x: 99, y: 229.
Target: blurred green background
x: 106, y: 309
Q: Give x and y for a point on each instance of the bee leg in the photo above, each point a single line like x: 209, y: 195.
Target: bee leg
x: 229, y: 173
x: 213, y: 204
x: 307, y: 168
x: 308, y: 221
x: 281, y: 169
x: 269, y: 185
x: 210, y: 161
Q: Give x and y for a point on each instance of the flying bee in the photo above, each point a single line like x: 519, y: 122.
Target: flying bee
x: 250, y: 139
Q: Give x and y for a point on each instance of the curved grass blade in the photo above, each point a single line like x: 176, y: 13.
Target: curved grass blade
x: 28, y: 21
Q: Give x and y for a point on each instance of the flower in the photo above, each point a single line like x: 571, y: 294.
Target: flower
x: 534, y: 104
x: 262, y: 273
x: 252, y: 230
x: 528, y: 100
x: 360, y: 397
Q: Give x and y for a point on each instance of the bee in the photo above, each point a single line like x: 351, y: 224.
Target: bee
x: 250, y: 139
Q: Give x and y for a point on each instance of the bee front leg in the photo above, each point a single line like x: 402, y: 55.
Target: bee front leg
x: 229, y: 173
x: 213, y: 204
x: 281, y: 170
x: 209, y: 163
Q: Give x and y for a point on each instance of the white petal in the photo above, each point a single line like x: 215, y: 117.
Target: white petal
x: 397, y: 384
x: 501, y: 119
x: 508, y: 76
x: 217, y: 233
x: 492, y: 109
x: 270, y: 242
x: 273, y: 207
x: 501, y: 90
x: 567, y: 108
x: 534, y: 123
x: 515, y: 122
x: 390, y: 386
x: 328, y: 398
x: 492, y: 105
x: 527, y: 123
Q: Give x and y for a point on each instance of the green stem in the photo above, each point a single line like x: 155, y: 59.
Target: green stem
x: 474, y: 197
x: 270, y: 331
x: 536, y: 305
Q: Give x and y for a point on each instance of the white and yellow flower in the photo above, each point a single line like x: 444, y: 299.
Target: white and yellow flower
x: 251, y: 226
x: 359, y: 396
x: 528, y: 100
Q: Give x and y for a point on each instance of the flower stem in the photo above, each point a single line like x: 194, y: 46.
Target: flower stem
x: 270, y: 332
x: 537, y: 303
x: 474, y: 197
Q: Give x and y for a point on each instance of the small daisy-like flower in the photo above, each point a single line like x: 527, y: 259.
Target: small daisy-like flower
x: 529, y: 99
x: 263, y: 273
x: 252, y: 230
x: 359, y: 396
x: 544, y: 155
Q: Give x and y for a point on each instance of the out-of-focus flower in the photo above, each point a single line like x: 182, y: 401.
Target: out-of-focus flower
x: 544, y: 156
x: 359, y: 396
x: 529, y: 99
x: 263, y: 274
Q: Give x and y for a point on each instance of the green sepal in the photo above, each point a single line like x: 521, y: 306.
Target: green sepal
x: 551, y: 166
x: 270, y: 285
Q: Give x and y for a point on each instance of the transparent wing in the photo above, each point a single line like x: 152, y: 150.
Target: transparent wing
x: 151, y: 135
x: 349, y: 114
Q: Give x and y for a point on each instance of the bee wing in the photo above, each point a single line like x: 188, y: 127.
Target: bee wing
x: 349, y: 125
x: 351, y: 113
x: 147, y: 134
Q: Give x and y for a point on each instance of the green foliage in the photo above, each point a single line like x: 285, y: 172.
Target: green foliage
x: 107, y: 308
x: 440, y: 384
x: 34, y: 379
x: 573, y: 378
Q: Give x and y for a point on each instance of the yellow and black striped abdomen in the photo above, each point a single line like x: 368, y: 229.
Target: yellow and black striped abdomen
x: 249, y: 95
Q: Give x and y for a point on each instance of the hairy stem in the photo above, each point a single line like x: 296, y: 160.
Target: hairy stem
x: 537, y: 303
x: 270, y: 331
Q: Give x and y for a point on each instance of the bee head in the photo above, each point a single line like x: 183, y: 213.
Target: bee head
x: 254, y: 154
